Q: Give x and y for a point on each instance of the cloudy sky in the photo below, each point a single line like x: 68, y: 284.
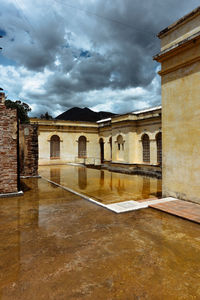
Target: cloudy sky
x: 58, y: 54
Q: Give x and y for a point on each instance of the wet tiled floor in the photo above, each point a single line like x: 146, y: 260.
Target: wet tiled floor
x: 104, y: 186
x: 55, y: 245
x: 180, y: 208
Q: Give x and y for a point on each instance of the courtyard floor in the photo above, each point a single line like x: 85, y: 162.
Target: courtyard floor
x: 56, y: 245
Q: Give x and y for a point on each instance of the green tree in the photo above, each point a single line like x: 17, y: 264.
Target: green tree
x: 46, y: 116
x: 22, y: 109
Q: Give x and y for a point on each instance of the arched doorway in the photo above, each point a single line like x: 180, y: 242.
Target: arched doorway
x: 55, y: 147
x: 101, y: 142
x: 82, y: 151
x: 110, y: 142
x: 159, y: 147
x: 146, y: 148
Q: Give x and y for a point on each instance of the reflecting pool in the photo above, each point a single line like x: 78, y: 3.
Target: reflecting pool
x: 102, y: 185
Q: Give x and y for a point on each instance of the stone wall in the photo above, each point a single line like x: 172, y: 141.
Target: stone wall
x: 8, y: 149
x: 28, y: 145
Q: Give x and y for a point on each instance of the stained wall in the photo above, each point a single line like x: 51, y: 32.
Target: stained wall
x: 181, y: 109
x: 8, y: 149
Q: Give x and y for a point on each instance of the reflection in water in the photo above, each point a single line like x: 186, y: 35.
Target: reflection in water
x: 82, y: 178
x: 29, y: 212
x: 146, y: 187
x: 55, y: 175
x: 120, y: 187
x: 10, y: 245
x: 111, y: 183
x: 101, y: 182
x: 104, y: 186
x: 159, y: 189
x: 24, y: 217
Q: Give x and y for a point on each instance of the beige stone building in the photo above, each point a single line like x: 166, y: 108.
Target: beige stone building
x: 180, y: 72
x: 130, y: 142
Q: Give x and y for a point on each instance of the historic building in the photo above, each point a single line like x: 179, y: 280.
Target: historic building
x: 129, y: 142
x: 180, y: 72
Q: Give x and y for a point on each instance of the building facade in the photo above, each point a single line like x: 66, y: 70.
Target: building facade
x: 180, y: 73
x: 123, y: 142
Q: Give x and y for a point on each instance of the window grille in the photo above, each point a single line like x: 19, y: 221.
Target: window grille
x: 146, y: 148
x: 55, y: 146
x: 159, y: 147
x: 82, y: 152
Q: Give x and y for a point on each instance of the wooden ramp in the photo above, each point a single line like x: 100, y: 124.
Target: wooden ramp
x: 180, y: 208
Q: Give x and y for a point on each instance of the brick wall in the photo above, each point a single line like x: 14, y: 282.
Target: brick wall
x: 8, y: 149
x: 28, y: 145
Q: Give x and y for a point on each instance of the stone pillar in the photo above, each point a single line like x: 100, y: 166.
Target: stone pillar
x: 8, y: 149
x: 28, y: 141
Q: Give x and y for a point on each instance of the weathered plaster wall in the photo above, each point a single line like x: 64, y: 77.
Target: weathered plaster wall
x: 132, y: 134
x: 8, y: 149
x: 121, y: 155
x: 151, y: 129
x: 180, y: 73
x: 181, y: 132
x: 68, y: 145
x: 181, y: 32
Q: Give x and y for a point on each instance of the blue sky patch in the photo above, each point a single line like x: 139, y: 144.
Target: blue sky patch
x: 2, y: 32
x: 85, y: 53
x: 4, y: 61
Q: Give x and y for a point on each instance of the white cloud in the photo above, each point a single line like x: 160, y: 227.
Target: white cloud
x: 19, y: 83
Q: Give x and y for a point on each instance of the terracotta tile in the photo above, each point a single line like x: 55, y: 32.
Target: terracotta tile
x: 180, y: 208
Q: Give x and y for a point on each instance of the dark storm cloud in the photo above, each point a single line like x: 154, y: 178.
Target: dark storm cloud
x: 95, y: 46
x: 36, y: 47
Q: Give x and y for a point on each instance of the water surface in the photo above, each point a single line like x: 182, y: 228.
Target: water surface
x: 104, y: 186
x: 55, y: 245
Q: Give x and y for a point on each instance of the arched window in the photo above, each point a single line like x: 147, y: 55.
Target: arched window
x: 82, y: 152
x: 159, y: 147
x: 55, y: 147
x: 146, y: 148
